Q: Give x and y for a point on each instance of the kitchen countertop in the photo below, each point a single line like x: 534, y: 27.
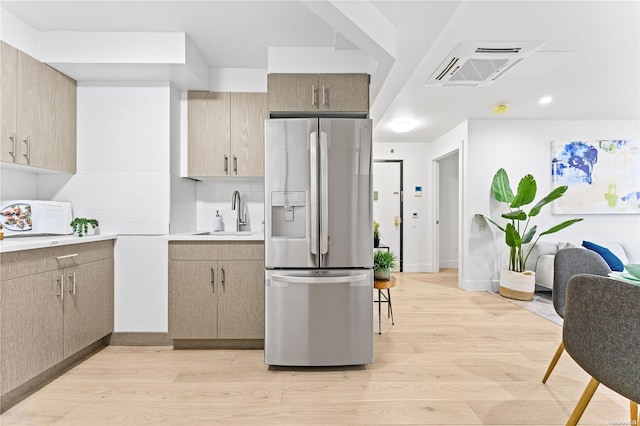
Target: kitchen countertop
x: 9, y: 244
x: 215, y: 236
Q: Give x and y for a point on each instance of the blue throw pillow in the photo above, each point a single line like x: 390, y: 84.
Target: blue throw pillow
x: 612, y: 260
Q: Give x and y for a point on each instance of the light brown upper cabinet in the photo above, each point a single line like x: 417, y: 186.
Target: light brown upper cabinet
x: 318, y: 93
x: 9, y: 99
x: 226, y: 134
x: 248, y: 112
x: 38, y: 113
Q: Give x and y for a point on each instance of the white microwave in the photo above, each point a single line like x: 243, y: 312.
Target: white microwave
x: 35, y: 217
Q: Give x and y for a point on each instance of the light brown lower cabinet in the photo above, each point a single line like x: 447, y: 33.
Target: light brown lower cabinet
x: 32, y: 334
x: 216, y: 290
x: 54, y: 303
x: 193, y: 300
x: 88, y: 304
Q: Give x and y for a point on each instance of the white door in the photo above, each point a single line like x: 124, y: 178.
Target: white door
x: 387, y: 204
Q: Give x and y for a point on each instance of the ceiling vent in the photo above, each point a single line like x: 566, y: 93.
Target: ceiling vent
x: 480, y: 64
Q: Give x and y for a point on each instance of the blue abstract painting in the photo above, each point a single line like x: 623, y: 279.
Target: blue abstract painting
x: 603, y: 176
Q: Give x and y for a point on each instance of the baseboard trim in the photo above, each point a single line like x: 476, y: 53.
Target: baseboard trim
x: 26, y: 389
x: 484, y: 285
x: 139, y: 339
x: 218, y: 344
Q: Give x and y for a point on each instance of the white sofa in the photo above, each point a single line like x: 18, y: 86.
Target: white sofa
x: 541, y: 258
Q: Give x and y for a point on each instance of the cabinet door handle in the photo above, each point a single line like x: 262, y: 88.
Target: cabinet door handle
x: 313, y: 94
x: 324, y: 100
x: 223, y: 278
x: 27, y: 142
x: 213, y: 281
x: 72, y: 290
x: 235, y: 164
x: 13, y: 152
x: 226, y: 165
x: 61, y: 288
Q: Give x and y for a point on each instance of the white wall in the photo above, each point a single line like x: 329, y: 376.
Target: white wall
x: 123, y: 180
x: 183, y: 191
x: 523, y: 147
x: 416, y: 249
x: 16, y: 184
x: 122, y: 174
x: 452, y: 142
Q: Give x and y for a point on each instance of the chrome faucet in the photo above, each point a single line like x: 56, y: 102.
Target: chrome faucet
x: 241, y: 219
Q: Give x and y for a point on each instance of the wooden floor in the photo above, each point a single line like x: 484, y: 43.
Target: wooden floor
x: 452, y: 358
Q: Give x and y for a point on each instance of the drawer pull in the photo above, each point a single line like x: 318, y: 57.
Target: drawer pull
x: 66, y: 256
x: 213, y: 281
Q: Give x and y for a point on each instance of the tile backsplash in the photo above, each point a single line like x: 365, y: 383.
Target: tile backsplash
x: 216, y: 195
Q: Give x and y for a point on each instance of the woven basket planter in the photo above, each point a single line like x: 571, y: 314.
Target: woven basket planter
x: 517, y: 285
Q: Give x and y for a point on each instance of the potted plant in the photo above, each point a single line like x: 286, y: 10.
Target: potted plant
x: 515, y: 282
x: 376, y: 234
x: 383, y: 262
x: 80, y: 226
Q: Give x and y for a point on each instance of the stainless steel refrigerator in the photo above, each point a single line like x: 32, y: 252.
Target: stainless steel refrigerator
x: 318, y: 242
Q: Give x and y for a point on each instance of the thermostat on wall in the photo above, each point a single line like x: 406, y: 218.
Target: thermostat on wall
x: 418, y: 191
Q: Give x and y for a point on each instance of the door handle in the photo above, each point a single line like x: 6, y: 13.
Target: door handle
x: 322, y: 280
x: 324, y: 188
x: 27, y: 155
x: 13, y: 151
x: 60, y: 288
x: 223, y: 278
x: 313, y: 94
x: 313, y: 217
x: 213, y: 281
x: 226, y: 165
x: 324, y: 97
x: 235, y: 165
x: 72, y: 290
x: 396, y: 221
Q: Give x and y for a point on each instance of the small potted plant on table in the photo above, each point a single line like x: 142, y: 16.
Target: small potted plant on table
x: 80, y: 226
x: 383, y: 262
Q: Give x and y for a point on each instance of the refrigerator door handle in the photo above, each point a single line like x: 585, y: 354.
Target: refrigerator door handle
x: 354, y: 280
x: 313, y: 158
x: 324, y: 188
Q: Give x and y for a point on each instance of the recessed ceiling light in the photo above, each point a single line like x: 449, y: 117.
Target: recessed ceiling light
x: 545, y: 100
x: 500, y: 109
x: 403, y: 126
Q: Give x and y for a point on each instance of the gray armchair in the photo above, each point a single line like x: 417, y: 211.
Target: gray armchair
x: 601, y: 333
x: 567, y: 263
